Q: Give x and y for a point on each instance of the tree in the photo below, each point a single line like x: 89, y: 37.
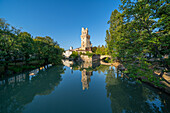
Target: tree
x: 25, y: 43
x: 94, y: 49
x: 16, y: 45
x: 74, y: 55
x: 48, y: 50
x: 133, y: 35
x: 101, y: 50
x: 8, y: 36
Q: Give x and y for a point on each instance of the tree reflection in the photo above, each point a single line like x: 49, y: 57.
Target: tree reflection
x: 17, y: 94
x: 125, y: 95
x: 102, y: 68
x: 128, y: 96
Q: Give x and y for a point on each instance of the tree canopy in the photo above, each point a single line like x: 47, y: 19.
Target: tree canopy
x: 21, y: 46
x: 139, y: 36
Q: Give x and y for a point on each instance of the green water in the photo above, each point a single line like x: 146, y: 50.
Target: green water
x: 83, y: 88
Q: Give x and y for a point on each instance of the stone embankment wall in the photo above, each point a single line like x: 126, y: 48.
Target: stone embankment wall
x: 86, y: 58
x: 96, y: 57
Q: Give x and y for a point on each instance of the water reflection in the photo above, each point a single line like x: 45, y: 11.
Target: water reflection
x: 106, y: 90
x: 85, y: 78
x: 129, y: 96
x: 125, y: 95
x: 86, y: 69
x: 17, y: 91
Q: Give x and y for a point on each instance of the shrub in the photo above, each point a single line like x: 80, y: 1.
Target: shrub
x: 74, y: 55
x: 89, y: 54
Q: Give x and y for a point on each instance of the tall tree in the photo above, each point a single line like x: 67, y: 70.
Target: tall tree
x: 141, y: 30
x: 8, y: 37
x: 25, y: 43
x: 48, y: 49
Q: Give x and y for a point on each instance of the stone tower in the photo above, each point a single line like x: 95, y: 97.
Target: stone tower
x: 85, y: 40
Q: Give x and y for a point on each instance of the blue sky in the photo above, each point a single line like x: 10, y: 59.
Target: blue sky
x: 60, y: 19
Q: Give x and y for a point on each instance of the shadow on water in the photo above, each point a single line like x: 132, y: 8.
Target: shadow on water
x: 17, y: 91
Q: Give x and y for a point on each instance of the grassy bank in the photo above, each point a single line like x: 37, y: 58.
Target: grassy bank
x: 154, y: 80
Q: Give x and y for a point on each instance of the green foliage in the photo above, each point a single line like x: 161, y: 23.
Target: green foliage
x: 140, y: 35
x: 102, y: 68
x: 108, y: 60
x: 21, y: 46
x: 138, y: 81
x: 25, y: 45
x: 74, y: 55
x: 89, y: 54
x: 102, y: 50
x: 48, y: 49
x: 94, y: 49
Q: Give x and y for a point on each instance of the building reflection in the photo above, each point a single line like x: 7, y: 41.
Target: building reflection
x: 68, y: 63
x: 85, y: 78
x: 86, y: 68
x: 86, y: 73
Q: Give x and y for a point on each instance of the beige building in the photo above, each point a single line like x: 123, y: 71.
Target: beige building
x: 85, y: 40
x: 85, y: 44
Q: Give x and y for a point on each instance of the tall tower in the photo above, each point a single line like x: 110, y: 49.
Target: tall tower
x: 85, y: 39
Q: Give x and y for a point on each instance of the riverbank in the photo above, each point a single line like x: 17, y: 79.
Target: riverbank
x: 164, y: 81
x: 105, y: 90
x: 18, y: 67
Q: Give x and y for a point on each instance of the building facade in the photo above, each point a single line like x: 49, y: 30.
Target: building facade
x: 86, y: 44
x: 85, y: 40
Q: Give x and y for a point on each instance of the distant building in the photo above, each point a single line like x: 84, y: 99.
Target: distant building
x: 86, y: 44
x: 71, y: 48
x: 67, y: 53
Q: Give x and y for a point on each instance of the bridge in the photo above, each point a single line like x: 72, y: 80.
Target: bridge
x: 104, y: 63
x: 104, y: 56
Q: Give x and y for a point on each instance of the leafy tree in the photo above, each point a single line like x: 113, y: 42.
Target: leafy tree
x: 74, y: 55
x: 8, y: 37
x: 101, y: 50
x: 16, y: 45
x: 89, y: 54
x: 138, y: 36
x: 94, y: 49
x: 48, y: 49
x: 26, y: 43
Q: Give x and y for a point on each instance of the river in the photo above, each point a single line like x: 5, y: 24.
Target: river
x: 78, y: 88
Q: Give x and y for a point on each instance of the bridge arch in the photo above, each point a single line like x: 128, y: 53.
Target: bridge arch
x: 104, y: 56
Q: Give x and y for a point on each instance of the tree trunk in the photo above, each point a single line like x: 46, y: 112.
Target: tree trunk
x: 6, y: 68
